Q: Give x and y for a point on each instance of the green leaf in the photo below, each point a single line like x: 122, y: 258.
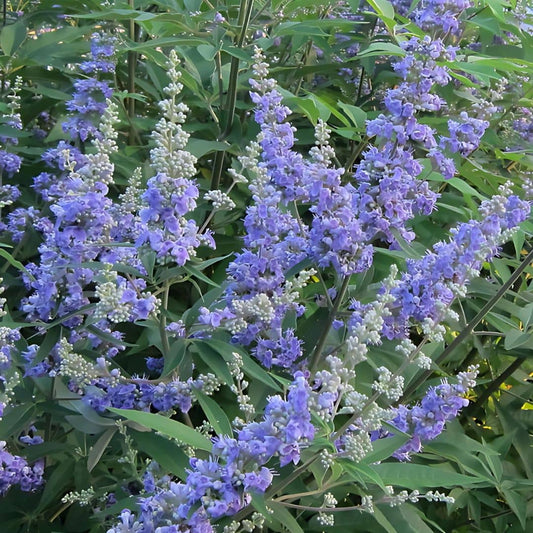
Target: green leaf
x: 207, y: 51
x: 9, y: 131
x: 383, y: 8
x: 517, y: 503
x: 382, y: 520
x: 174, y: 356
x: 354, y: 113
x: 526, y: 315
x: 406, y: 518
x: 283, y: 516
x: 516, y: 338
x: 306, y: 104
x: 15, y: 420
x: 213, y: 359
x: 364, y: 472
x: 192, y: 271
x: 14, y: 262
x: 96, y: 451
x: 384, y: 448
x: 201, y: 147
x: 413, y: 476
x: 250, y: 367
x: 164, y: 451
x: 381, y: 48
x: 57, y: 483
x: 12, y: 37
x: 216, y: 416
x: 104, y: 335
x: 456, y: 183
x: 171, y: 428
x: 498, y: 8
x: 84, y: 425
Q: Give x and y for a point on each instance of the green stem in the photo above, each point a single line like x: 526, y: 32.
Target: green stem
x: 473, y: 408
x: 244, y: 20
x: 320, y: 509
x: 245, y: 12
x: 163, y: 320
x: 469, y: 328
x: 315, y: 358
x: 355, y: 154
x: 132, y: 63
x: 377, y: 394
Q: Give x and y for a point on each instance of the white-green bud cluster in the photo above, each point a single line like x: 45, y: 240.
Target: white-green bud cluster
x: 237, y: 177
x: 13, y: 99
x: 389, y: 385
x: 209, y: 383
x: 220, y: 200
x: 98, y: 166
x: 83, y: 497
x: 335, y: 381
x: 256, y: 521
x: 373, y: 417
x: 327, y: 459
x: 263, y: 307
x: 261, y: 72
x: 403, y: 496
x: 367, y: 504
x: 74, y: 366
x: 357, y: 446
x: 130, y: 200
x: 3, y: 301
x: 354, y: 402
x: 467, y: 379
x: 169, y: 155
x: 240, y: 385
x: 368, y: 332
x: 322, y: 152
x: 109, y: 303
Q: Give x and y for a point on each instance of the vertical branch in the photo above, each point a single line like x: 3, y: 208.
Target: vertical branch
x: 315, y: 358
x: 469, y: 328
x: 132, y: 62
x: 245, y: 11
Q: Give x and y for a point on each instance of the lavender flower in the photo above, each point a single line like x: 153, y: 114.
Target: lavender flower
x: 221, y: 485
x: 430, y: 284
x: 427, y: 420
x: 90, y: 95
x: 434, y: 16
x: 15, y: 470
x: 172, y: 193
x: 465, y: 134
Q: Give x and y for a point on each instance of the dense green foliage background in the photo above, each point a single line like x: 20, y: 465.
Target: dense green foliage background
x: 491, y: 441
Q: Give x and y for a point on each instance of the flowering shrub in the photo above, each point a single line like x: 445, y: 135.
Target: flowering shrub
x: 240, y: 246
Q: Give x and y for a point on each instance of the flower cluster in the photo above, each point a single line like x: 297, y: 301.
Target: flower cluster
x: 10, y: 162
x: 427, y: 420
x: 75, y: 232
x: 434, y: 16
x: 89, y: 100
x: 171, y: 193
x: 15, y: 470
x: 259, y: 296
x: 222, y: 484
x: 110, y: 260
x: 390, y: 193
x: 430, y: 284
